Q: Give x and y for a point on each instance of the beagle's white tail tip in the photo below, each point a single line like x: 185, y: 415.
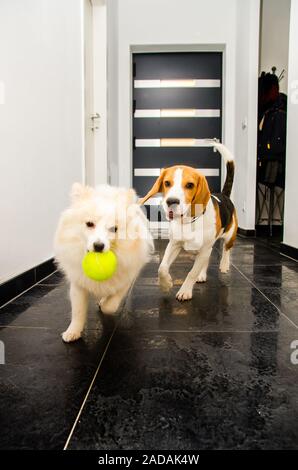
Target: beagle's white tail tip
x: 222, y: 149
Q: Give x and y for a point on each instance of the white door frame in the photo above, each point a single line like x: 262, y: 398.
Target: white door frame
x: 96, y: 167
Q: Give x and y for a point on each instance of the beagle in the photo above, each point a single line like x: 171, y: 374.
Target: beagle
x: 197, y: 219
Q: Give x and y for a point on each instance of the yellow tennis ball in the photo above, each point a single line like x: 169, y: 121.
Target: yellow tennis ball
x: 99, y: 266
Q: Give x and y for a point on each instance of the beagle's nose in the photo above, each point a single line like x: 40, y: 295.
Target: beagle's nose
x: 172, y: 200
x: 98, y: 246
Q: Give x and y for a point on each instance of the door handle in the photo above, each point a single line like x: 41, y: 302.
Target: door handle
x: 94, y: 117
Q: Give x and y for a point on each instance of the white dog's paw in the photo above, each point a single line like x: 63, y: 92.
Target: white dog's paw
x: 202, y: 277
x: 184, y: 294
x: 165, y: 282
x: 110, y: 305
x: 71, y: 334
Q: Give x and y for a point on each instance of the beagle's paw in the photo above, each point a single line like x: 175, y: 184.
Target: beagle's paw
x: 202, y: 277
x: 184, y: 293
x: 224, y: 267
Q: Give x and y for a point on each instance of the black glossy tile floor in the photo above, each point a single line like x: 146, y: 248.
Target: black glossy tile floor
x: 212, y: 373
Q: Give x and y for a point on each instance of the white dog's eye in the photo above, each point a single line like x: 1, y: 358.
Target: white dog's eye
x: 113, y: 229
x: 90, y: 224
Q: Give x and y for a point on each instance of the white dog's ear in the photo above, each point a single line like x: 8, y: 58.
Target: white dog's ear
x: 126, y: 196
x: 131, y: 196
x: 79, y: 191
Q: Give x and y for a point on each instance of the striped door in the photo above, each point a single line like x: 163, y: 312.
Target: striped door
x: 177, y: 102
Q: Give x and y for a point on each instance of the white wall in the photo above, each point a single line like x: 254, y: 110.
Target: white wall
x: 41, y: 125
x: 291, y: 213
x: 247, y: 59
x: 274, y: 44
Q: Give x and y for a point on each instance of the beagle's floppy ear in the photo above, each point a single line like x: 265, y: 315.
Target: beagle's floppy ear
x: 201, y: 196
x: 156, y: 188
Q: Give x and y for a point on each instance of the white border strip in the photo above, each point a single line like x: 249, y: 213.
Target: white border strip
x: 177, y: 113
x: 173, y: 143
x: 153, y: 201
x: 147, y: 142
x: 147, y: 113
x: 185, y: 83
x: 156, y: 171
x: 146, y: 171
x: 158, y: 225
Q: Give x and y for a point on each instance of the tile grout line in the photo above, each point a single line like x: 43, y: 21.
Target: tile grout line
x: 213, y: 331
x: 265, y: 296
x: 288, y: 257
x: 270, y: 247
x: 24, y: 291
x: 262, y: 293
x: 89, y: 390
x: 28, y: 327
x: 48, y: 328
x: 97, y: 370
x: 40, y: 283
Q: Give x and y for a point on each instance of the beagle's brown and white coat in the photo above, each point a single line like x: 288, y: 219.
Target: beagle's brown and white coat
x: 197, y: 219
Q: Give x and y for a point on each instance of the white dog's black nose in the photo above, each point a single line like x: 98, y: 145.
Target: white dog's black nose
x: 172, y: 200
x: 98, y: 246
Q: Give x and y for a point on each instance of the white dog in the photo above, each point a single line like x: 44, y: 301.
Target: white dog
x: 100, y: 219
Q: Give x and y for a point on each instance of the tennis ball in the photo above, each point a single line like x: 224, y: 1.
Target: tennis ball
x: 99, y: 266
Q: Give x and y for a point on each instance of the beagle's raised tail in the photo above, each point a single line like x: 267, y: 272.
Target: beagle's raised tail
x: 230, y: 165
